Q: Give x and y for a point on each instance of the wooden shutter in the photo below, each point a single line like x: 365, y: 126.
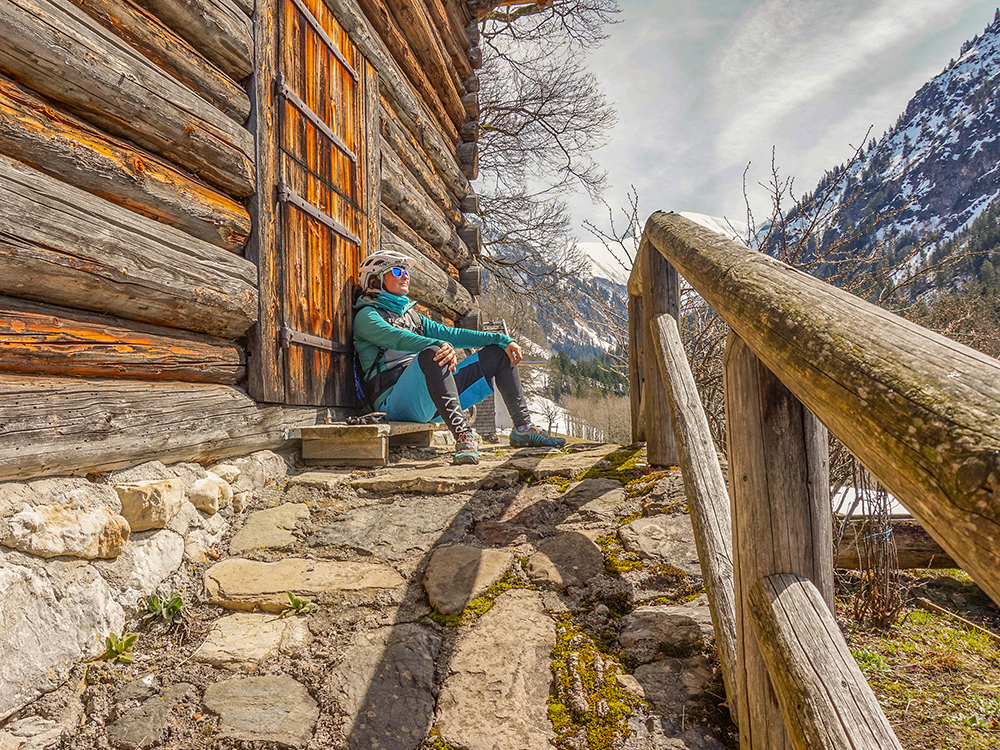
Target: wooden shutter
x: 321, y: 144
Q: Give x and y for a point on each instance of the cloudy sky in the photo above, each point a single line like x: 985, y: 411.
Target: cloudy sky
x: 702, y: 88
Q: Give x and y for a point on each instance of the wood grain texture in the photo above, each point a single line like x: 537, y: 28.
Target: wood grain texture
x: 68, y: 426
x: 415, y: 74
x: 61, y: 245
x: 219, y: 29
x: 64, y: 54
x: 660, y: 295
x: 705, y: 489
x: 401, y: 97
x: 915, y: 548
x: 635, y: 370
x: 403, y: 196
x: 265, y: 373
x: 779, y: 490
x: 69, y: 149
x: 825, y: 700
x: 409, y: 152
x: 920, y: 411
x: 147, y: 34
x: 48, y: 340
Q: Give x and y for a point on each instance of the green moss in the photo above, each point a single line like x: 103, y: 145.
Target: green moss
x: 433, y: 741
x: 609, y: 706
x: 616, y: 559
x: 481, y: 604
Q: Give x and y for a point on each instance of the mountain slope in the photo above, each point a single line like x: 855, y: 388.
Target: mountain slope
x: 937, y: 169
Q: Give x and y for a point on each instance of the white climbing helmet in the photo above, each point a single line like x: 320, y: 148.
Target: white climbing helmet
x: 378, y: 263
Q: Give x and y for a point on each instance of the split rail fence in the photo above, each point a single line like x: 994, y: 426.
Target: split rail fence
x: 921, y: 412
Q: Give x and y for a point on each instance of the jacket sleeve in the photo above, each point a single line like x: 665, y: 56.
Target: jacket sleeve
x: 463, y: 338
x: 369, y: 325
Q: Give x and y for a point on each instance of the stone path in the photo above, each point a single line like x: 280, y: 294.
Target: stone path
x: 541, y: 599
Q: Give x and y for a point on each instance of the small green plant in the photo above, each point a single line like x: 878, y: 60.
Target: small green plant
x: 169, y: 607
x: 120, y: 649
x: 300, y: 605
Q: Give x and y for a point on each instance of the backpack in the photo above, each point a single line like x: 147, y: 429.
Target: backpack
x: 370, y: 386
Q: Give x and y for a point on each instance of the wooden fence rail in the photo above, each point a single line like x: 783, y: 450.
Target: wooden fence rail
x: 920, y: 411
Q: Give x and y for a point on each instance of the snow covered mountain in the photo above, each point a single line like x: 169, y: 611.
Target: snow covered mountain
x: 938, y: 168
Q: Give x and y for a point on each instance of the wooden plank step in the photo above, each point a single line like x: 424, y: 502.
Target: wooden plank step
x: 361, y: 445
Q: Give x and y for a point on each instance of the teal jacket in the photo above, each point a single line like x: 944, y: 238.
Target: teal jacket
x: 373, y: 333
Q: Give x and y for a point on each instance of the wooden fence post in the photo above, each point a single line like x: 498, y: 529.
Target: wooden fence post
x: 635, y: 367
x: 660, y: 295
x: 779, y: 489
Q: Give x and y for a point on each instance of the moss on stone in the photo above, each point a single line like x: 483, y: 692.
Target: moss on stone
x: 481, y: 604
x: 616, y: 559
x: 607, y: 705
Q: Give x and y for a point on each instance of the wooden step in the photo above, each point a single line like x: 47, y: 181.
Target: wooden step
x: 361, y: 445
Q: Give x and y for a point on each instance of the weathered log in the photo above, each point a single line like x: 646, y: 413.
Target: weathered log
x: 64, y: 246
x: 636, y: 356
x: 64, y: 54
x: 72, y: 151
x: 218, y: 29
x: 473, y: 321
x: 471, y: 104
x: 915, y: 548
x: 404, y: 56
x: 247, y: 6
x: 472, y: 32
x: 470, y: 204
x: 408, y: 150
x: 918, y: 409
x: 471, y: 83
x: 705, y: 488
x: 452, y: 34
x: 266, y: 371
x: 402, y: 230
x: 49, y: 340
x: 170, y: 52
x: 472, y: 236
x: 472, y: 279
x: 69, y: 426
x: 397, y: 92
x: 826, y: 702
x: 660, y: 294
x: 779, y: 464
x: 404, y: 197
x: 415, y: 21
x: 475, y: 55
x: 469, y: 130
x: 468, y: 157
x: 429, y: 285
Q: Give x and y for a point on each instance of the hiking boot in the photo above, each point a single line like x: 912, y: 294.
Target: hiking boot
x: 466, y: 448
x: 531, y: 435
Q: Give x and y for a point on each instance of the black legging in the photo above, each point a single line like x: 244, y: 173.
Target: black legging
x: 443, y: 385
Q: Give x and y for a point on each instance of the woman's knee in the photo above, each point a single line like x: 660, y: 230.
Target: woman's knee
x: 426, y: 356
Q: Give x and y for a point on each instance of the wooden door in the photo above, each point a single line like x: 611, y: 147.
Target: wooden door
x: 321, y: 152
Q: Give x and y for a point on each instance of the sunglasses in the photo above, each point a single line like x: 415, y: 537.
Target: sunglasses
x: 397, y: 272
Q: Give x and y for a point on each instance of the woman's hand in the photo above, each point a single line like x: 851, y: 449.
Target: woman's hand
x: 447, y: 356
x: 514, y: 352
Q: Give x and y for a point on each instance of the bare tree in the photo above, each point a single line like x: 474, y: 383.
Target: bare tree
x: 542, y: 115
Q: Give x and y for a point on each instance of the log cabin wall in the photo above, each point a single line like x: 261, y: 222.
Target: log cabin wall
x: 144, y: 183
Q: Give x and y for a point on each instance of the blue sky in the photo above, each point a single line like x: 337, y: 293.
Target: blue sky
x: 702, y: 88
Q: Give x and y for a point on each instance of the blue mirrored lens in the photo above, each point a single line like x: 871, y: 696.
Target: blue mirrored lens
x: 397, y: 272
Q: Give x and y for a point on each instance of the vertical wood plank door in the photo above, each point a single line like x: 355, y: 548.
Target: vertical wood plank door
x: 323, y: 230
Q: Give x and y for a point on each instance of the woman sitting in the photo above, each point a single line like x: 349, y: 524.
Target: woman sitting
x: 410, y: 369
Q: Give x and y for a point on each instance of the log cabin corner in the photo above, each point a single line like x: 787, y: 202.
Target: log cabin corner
x: 187, y: 188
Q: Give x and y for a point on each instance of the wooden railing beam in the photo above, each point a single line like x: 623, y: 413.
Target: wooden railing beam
x: 919, y: 410
x: 705, y: 488
x: 825, y: 700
